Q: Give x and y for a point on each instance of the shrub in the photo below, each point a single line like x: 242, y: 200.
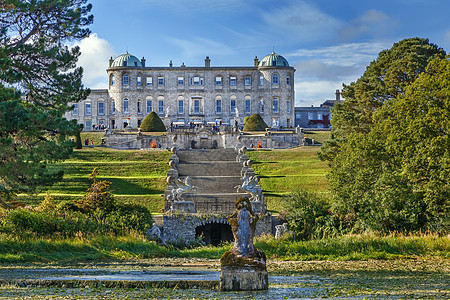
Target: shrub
x: 309, y: 216
x: 152, y: 123
x: 255, y: 123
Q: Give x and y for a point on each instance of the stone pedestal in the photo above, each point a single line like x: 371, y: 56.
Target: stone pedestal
x: 243, y: 278
x: 183, y: 206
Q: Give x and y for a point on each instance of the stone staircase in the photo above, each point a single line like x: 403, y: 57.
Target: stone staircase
x: 216, y: 173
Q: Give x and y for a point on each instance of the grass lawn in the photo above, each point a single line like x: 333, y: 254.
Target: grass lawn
x: 137, y: 176
x: 283, y: 171
x: 318, y: 136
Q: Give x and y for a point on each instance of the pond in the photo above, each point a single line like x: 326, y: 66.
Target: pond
x: 288, y: 280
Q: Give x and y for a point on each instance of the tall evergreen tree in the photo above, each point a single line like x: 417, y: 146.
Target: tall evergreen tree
x: 38, y: 80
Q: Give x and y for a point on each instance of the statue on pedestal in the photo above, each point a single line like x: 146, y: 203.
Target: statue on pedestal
x: 243, y: 267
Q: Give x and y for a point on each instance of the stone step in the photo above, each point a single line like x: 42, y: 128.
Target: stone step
x: 207, y: 155
x: 215, y: 184
x: 220, y: 168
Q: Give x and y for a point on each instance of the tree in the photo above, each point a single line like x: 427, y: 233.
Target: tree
x: 384, y: 79
x: 255, y: 123
x: 38, y: 80
x: 397, y: 176
x: 152, y: 123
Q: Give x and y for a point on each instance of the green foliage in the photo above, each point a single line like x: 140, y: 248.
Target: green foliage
x: 152, y: 123
x: 98, y: 195
x: 309, y: 216
x: 34, y: 60
x: 392, y: 174
x: 255, y: 123
x: 246, y: 118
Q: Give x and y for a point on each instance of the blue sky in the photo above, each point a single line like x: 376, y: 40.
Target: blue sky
x: 329, y: 42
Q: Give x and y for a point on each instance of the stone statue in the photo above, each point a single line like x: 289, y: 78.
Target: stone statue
x: 167, y: 112
x: 236, y: 111
x: 243, y: 267
x: 250, y: 184
x: 180, y: 188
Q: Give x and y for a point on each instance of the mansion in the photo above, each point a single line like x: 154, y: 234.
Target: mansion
x: 181, y: 95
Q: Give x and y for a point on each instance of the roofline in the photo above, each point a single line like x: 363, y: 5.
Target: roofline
x: 198, y: 68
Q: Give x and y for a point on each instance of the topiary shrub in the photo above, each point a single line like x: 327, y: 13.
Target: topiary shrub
x: 255, y: 123
x: 152, y: 123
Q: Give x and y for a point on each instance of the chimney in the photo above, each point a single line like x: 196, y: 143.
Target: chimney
x: 143, y: 61
x: 111, y: 60
x: 207, y: 62
x: 338, y: 95
x: 183, y: 65
x: 255, y: 61
x: 171, y: 64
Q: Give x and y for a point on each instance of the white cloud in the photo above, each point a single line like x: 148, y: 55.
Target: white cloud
x: 309, y: 93
x: 94, y: 58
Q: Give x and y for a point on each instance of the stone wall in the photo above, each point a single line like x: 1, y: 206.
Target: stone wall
x: 181, y: 227
x: 204, y: 139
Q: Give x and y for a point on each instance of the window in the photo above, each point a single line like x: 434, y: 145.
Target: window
x: 125, y: 106
x: 196, y: 106
x: 139, y: 122
x: 149, y: 106
x: 113, y: 106
x: 196, y: 80
x: 180, y: 80
x: 139, y: 106
x: 218, y: 80
x: 275, y: 104
x: 161, y: 106
x: 181, y: 107
x: 160, y: 81
x: 261, y: 79
x: 233, y: 81
x: 87, y: 109
x: 149, y: 81
x: 319, y: 116
x: 112, y: 80
x: 311, y: 116
x: 101, y: 108
x: 247, y: 106
x: 288, y: 79
x: 261, y: 105
x: 126, y: 79
x: 275, y: 78
x: 218, y: 106
x: 75, y: 110
x: 232, y: 106
x: 88, y: 125
x: 288, y: 104
x: 247, y: 81
x: 139, y: 80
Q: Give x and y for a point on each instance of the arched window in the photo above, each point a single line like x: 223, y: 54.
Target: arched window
x: 261, y: 105
x: 261, y: 79
x: 111, y: 81
x: 139, y: 80
x: 248, y: 107
x: 233, y: 105
x: 288, y: 79
x: 275, y: 78
x: 275, y: 104
x: 126, y: 79
x: 113, y: 106
x: 148, y: 105
x: 125, y: 106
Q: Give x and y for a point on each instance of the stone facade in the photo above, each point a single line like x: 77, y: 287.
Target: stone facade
x: 190, y: 94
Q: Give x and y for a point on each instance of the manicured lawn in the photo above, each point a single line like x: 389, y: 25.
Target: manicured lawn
x: 318, y: 136
x: 282, y: 171
x: 137, y: 176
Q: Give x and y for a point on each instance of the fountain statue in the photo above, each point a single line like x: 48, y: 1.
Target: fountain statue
x: 243, y: 267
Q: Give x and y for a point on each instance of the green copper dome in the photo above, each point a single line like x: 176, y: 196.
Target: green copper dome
x: 126, y: 60
x: 273, y: 60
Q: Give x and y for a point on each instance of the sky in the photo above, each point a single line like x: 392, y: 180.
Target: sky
x: 328, y: 42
